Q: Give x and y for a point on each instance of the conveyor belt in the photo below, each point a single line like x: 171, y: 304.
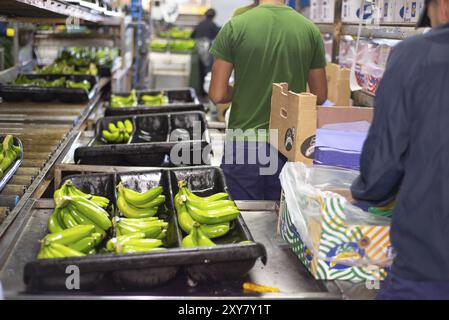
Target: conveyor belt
x: 41, y: 127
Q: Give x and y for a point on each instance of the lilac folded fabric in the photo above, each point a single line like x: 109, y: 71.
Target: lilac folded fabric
x: 341, y: 144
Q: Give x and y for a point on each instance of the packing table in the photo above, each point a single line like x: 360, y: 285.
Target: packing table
x: 283, y: 269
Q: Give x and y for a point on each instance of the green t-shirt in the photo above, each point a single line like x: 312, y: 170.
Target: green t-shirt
x: 242, y: 10
x: 268, y: 44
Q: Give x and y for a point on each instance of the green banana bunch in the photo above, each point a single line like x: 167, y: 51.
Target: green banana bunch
x: 214, y: 211
x: 119, y: 132
x: 86, y: 211
x: 196, y: 238
x: 8, y: 153
x: 157, y: 100
x: 186, y: 222
x: 127, y: 101
x: 133, y: 204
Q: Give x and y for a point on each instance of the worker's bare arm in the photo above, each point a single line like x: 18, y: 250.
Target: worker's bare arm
x: 220, y: 91
x: 318, y: 84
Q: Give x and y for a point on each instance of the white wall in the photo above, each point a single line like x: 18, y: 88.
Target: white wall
x: 225, y: 8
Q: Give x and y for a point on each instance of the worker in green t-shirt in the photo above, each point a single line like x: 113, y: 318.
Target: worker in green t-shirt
x: 242, y: 10
x: 270, y: 43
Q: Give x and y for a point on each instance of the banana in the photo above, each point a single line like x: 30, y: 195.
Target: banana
x: 215, y: 230
x: 150, y: 232
x: 112, y: 127
x: 162, y: 235
x: 110, y: 137
x: 126, y: 137
x: 214, y: 197
x: 132, y: 212
x: 121, y: 138
x: 54, y: 253
x: 58, y: 197
x: 128, y: 126
x: 143, y: 224
x: 216, y: 216
x: 53, y: 222
x: 43, y: 253
x: 90, y: 210
x: 191, y: 240
x: 8, y: 142
x: 121, y: 125
x: 69, y: 220
x: 140, y: 198
x: 203, y: 240
x: 100, y: 201
x: 65, y: 251
x: 84, y: 245
x: 83, y: 220
x: 70, y: 235
x: 110, y: 245
x: 144, y: 243
x: 98, y: 237
x: 17, y: 150
x: 74, y: 191
x: 189, y: 197
x: 195, y: 198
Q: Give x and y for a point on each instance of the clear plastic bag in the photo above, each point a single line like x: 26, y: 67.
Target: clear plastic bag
x: 309, y: 190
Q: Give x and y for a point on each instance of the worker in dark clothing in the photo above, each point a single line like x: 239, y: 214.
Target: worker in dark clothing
x: 207, y: 28
x: 406, y: 158
x: 204, y: 34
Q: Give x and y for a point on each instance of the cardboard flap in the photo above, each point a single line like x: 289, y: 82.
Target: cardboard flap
x: 332, y: 115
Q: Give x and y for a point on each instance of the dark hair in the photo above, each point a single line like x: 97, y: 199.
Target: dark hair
x: 211, y: 13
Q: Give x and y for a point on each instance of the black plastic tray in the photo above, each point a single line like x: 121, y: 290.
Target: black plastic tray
x: 15, y: 93
x: 180, y: 99
x: 13, y: 167
x: 228, y: 260
x: 152, y: 142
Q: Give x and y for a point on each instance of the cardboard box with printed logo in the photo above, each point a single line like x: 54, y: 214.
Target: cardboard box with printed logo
x: 293, y: 118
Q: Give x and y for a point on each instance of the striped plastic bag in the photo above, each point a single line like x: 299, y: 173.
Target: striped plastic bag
x: 331, y: 236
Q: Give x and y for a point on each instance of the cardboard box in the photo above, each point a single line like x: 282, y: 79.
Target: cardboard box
x: 328, y: 11
x: 293, y: 116
x: 387, y: 8
x: 339, y: 91
x: 413, y: 9
x: 315, y: 10
x: 351, y: 11
x: 296, y: 117
x: 337, y: 241
x: 399, y: 11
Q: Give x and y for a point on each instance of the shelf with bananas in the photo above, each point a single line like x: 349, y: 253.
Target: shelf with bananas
x: 134, y: 99
x: 11, y: 155
x: 153, y: 101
